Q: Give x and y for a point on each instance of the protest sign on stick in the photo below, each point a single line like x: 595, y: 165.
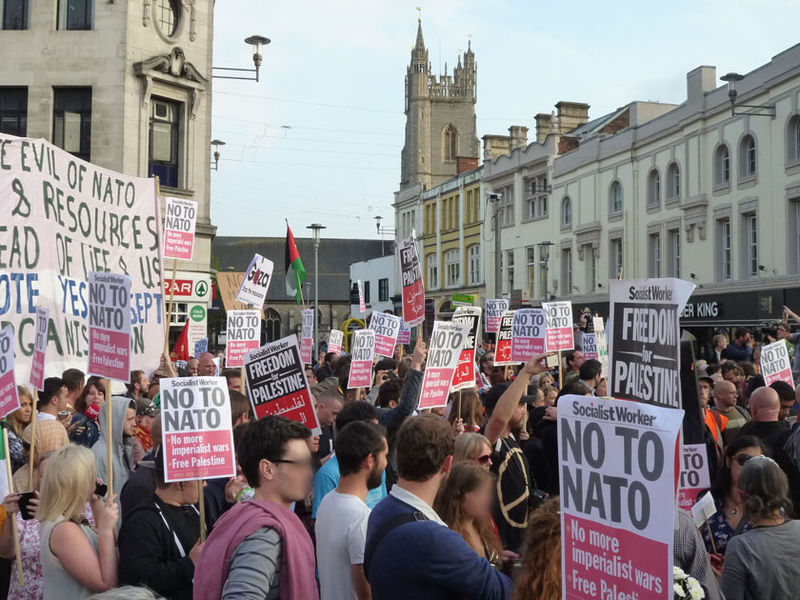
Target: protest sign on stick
x: 559, y: 326
x: 413, y: 289
x: 528, y: 334
x: 645, y: 339
x: 335, y: 340
x: 386, y: 328
x: 307, y: 336
x: 444, y: 351
x: 470, y: 317
x: 244, y: 335
x: 109, y: 325
x: 255, y: 283
x: 694, y: 476
x: 494, y: 310
x: 200, y: 346
x: 617, y: 485
x: 362, y: 306
x: 180, y: 218
x: 775, y: 363
x: 505, y: 336
x: 404, y: 337
x: 600, y: 341
x: 9, y: 398
x: 277, y: 384
x: 362, y: 354
x: 36, y: 378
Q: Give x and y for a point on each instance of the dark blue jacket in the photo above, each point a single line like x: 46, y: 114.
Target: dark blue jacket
x: 424, y: 561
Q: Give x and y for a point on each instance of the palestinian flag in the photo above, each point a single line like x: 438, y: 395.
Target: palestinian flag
x: 295, y: 271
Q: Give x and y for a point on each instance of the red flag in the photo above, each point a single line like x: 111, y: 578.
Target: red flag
x: 181, y: 349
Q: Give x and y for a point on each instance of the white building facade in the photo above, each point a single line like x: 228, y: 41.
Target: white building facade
x: 377, y: 276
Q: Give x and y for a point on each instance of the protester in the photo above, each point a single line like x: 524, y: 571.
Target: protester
x: 50, y: 436
x: 590, y: 373
x: 740, y: 350
x: 341, y: 526
x: 474, y: 448
x: 329, y: 405
x: 714, y: 354
x: 123, y: 422
x: 206, y: 367
x: 464, y: 503
x: 311, y: 375
x: 138, y: 385
x: 725, y: 403
x: 158, y: 541
x: 471, y: 414
x: 233, y: 377
x: 53, y: 401
x: 689, y: 554
x: 765, y: 406
x: 573, y: 359
x: 506, y: 411
x: 389, y: 393
x: 85, y: 426
x: 786, y: 393
x: 17, y: 422
x: 74, y: 380
x: 325, y: 370
x: 728, y: 521
x: 540, y: 578
x: 764, y: 562
x: 435, y: 562
x: 259, y: 548
x: 192, y: 366
x: 146, y: 412
x: 141, y: 483
x: 76, y: 559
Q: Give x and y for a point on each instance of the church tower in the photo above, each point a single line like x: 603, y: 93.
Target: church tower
x: 440, y: 119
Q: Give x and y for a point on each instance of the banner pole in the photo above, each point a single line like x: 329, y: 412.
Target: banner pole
x: 32, y: 450
x: 459, y: 404
x: 711, y: 535
x: 560, y: 372
x: 202, y: 502
x: 109, y: 449
x: 13, y: 518
x: 171, y: 300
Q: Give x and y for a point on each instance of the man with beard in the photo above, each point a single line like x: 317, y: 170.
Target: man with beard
x: 341, y: 527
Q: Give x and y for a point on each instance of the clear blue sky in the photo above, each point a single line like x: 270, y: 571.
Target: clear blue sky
x: 319, y: 138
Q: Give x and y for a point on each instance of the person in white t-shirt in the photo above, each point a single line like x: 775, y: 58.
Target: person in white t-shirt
x: 342, y: 517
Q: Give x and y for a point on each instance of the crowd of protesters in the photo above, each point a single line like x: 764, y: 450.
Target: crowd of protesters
x: 389, y: 501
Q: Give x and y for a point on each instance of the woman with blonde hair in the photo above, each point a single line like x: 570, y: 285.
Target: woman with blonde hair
x: 50, y: 435
x: 471, y: 410
x: 77, y: 560
x: 473, y: 447
x: 17, y: 422
x: 464, y: 502
x: 541, y: 564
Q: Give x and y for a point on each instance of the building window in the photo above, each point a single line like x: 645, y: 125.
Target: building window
x: 167, y: 15
x: 537, y: 207
x: 16, y: 14
x: 450, y: 143
x: 615, y: 198
x: 433, y: 272
x: 566, y: 212
x: 747, y: 157
x: 509, y: 271
x: 14, y: 111
x: 75, y: 14
x: 474, y: 254
x: 616, y: 258
x: 165, y: 125
x: 536, y: 197
x: 452, y: 265
x: 72, y: 120
x: 383, y: 290
x: 673, y: 181
x: 722, y: 165
x: 366, y: 291
x: 530, y: 263
x: 674, y: 237
x: 591, y: 269
x: 654, y: 251
x: 505, y: 208
x: 725, y: 258
x: 653, y: 188
x: 566, y: 271
x: 751, y: 227
x: 793, y: 139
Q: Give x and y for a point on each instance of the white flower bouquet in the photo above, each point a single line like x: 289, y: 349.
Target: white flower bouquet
x: 686, y: 587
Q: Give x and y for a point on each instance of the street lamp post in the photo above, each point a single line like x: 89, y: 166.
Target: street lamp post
x: 315, y: 230
x: 544, y: 262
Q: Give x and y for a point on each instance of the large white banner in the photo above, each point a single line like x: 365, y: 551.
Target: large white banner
x: 62, y: 218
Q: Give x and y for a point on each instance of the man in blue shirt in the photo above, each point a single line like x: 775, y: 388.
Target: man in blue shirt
x: 435, y: 562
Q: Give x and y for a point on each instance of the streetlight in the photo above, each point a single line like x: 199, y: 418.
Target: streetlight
x: 732, y: 79
x: 315, y: 231
x: 216, y: 144
x: 257, y: 41
x: 544, y: 262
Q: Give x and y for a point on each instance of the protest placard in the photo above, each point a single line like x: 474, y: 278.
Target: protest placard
x: 307, y: 336
x: 180, y: 218
x: 36, y: 378
x: 386, y: 328
x: 109, y: 325
x: 775, y: 363
x: 9, y: 398
x: 335, y: 340
x: 505, y: 336
x: 255, y: 284
x: 470, y: 317
x: 645, y: 339
x: 444, y: 351
x: 527, y: 334
x: 197, y: 429
x: 243, y: 335
x: 200, y: 346
x: 617, y: 484
x: 694, y: 477
x: 64, y: 217
x: 404, y: 337
x: 494, y: 310
x: 600, y: 340
x: 362, y: 306
x: 277, y: 384
x: 589, y: 342
x: 362, y: 353
x: 413, y: 289
x: 558, y: 316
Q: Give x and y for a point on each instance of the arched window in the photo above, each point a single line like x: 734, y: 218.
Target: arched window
x: 747, y: 157
x: 566, y: 211
x: 450, y: 142
x: 272, y: 325
x: 615, y: 198
x: 722, y: 165
x: 673, y: 181
x: 793, y: 139
x: 653, y: 188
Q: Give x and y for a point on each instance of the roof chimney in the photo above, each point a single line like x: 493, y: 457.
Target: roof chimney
x: 572, y: 115
x: 518, y: 135
x: 699, y: 82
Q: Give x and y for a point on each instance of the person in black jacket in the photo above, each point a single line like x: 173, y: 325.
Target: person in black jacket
x: 158, y: 542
